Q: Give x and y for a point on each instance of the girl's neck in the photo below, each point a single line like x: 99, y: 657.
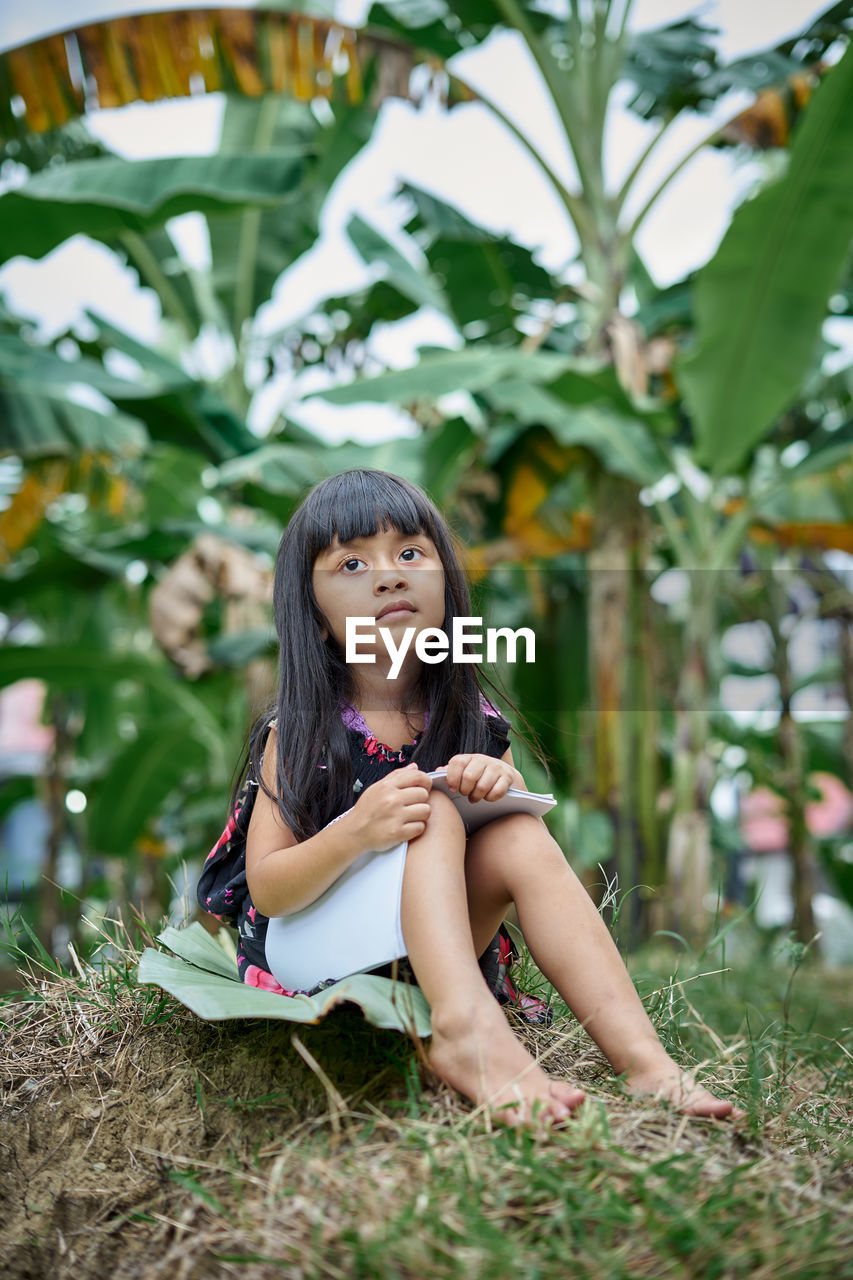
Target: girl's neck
x: 386, y: 697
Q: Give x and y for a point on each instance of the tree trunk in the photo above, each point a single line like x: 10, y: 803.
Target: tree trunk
x: 793, y: 780
x: 615, y: 534
x: 689, y: 843
x: 845, y: 649
x: 50, y: 914
x: 646, y: 770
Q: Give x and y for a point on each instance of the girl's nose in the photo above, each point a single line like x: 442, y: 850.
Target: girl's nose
x: 388, y: 578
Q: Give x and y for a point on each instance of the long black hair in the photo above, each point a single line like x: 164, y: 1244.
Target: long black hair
x: 314, y: 679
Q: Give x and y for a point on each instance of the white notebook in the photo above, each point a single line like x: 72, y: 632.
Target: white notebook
x: 476, y: 813
x: 355, y: 924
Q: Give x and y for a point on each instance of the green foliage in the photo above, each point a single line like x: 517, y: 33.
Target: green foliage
x: 545, y: 420
x: 103, y: 198
x: 760, y: 302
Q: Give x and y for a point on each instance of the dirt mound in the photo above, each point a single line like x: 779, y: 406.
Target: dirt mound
x: 104, y: 1109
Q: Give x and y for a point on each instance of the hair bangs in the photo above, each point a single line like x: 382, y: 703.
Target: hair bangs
x: 357, y: 504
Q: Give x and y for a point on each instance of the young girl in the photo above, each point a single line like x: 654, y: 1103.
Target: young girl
x: 338, y: 774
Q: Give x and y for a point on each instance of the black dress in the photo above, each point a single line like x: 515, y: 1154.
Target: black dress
x: 223, y: 891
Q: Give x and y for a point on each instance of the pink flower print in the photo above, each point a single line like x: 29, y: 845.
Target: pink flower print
x: 226, y: 835
x: 255, y: 977
x: 251, y: 914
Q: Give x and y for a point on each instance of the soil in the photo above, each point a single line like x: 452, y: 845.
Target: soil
x: 91, y: 1160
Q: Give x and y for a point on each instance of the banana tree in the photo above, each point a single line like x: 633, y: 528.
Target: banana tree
x: 580, y: 55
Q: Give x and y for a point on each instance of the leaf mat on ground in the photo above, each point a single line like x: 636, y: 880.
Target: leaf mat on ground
x: 203, y: 978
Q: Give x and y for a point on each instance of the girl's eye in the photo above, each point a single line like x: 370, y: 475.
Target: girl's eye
x: 413, y: 550
x: 353, y: 560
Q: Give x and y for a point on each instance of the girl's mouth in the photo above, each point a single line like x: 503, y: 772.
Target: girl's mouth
x: 401, y: 612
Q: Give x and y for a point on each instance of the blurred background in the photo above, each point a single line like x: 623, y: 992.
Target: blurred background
x: 581, y: 268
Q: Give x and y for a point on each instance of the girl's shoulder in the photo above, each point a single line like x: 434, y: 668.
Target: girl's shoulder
x: 497, y: 725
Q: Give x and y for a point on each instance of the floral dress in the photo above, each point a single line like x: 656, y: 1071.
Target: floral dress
x: 223, y: 892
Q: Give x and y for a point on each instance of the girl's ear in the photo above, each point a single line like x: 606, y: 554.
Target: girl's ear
x: 324, y: 634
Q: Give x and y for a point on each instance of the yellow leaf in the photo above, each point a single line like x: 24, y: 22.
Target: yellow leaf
x: 280, y: 61
x: 151, y: 56
x: 237, y: 41
x: 23, y: 517
x: 814, y: 533
x: 355, y: 86
x: 22, y: 65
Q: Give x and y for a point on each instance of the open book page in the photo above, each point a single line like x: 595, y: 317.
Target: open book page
x: 476, y: 813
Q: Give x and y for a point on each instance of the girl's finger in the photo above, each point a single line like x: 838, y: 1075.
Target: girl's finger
x: 417, y: 812
x: 499, y: 790
x: 473, y: 774
x: 455, y: 767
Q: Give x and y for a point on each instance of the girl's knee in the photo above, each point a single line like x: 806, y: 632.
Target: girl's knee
x: 517, y: 840
x: 520, y: 827
x: 444, y: 814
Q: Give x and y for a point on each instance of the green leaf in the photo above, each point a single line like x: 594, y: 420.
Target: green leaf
x: 676, y: 65
x: 487, y: 280
x: 138, y: 781
x: 760, y: 302
x: 34, y: 425
x: 440, y: 372
x: 397, y: 270
x: 103, y: 198
x: 25, y: 366
x: 279, y: 468
x: 73, y: 669
x: 443, y: 29
x: 264, y: 243
x: 202, y: 977
x: 446, y: 448
x: 185, y: 411
x: 239, y: 648
x: 623, y: 445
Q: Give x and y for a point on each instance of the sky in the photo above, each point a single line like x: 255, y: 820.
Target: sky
x: 467, y: 159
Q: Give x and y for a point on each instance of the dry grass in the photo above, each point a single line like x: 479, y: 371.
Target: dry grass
x: 138, y: 1141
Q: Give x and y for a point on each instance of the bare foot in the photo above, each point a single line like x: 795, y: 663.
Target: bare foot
x: 667, y: 1082
x: 481, y: 1057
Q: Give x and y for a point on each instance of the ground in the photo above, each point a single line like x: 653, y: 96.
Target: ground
x: 139, y: 1141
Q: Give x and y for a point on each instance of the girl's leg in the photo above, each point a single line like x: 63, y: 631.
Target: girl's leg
x: 473, y: 1047
x: 516, y: 859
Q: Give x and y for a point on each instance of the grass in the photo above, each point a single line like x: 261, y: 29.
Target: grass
x: 140, y: 1141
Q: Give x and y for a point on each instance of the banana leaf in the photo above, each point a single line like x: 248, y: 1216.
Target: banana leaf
x: 104, y: 198
x: 761, y: 300
x: 201, y: 976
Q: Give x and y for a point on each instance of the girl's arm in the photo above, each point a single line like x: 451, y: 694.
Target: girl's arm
x: 284, y: 875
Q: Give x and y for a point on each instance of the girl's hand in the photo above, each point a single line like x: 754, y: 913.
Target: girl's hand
x: 481, y: 777
x: 394, y: 809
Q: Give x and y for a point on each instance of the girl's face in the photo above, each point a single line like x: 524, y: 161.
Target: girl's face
x: 396, y: 578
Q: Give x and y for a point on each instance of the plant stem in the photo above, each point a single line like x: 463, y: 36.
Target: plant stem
x: 630, y: 231
x: 573, y: 201
x: 250, y: 225
x: 153, y: 274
